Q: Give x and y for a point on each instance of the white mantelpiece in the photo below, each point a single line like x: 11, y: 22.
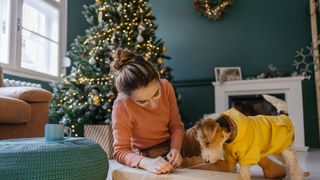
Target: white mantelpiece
x: 290, y: 87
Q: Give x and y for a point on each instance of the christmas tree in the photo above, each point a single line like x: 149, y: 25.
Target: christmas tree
x: 86, y: 95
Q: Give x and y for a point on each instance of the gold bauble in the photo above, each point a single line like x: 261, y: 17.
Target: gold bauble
x: 96, y: 100
x: 97, y: 1
x: 164, y: 49
x: 159, y: 60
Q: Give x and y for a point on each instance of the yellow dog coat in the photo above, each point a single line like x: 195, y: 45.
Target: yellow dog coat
x: 257, y: 137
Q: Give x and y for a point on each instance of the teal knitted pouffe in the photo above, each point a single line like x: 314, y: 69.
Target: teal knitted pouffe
x: 33, y: 158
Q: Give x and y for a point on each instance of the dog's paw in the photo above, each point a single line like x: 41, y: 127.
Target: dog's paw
x: 297, y: 177
x: 294, y: 177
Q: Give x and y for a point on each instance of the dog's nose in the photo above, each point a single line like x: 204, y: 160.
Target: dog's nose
x: 207, y: 161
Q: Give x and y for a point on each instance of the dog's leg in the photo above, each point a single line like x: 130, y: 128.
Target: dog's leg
x: 232, y: 167
x: 245, y: 173
x: 279, y: 157
x: 290, y: 159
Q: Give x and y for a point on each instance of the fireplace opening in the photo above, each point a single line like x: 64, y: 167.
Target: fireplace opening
x: 252, y: 105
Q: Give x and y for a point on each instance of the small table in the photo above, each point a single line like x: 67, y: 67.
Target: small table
x: 33, y: 158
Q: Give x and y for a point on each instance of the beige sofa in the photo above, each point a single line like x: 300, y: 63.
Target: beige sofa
x: 23, y: 111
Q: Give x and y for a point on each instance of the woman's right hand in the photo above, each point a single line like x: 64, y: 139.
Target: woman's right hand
x: 157, y: 165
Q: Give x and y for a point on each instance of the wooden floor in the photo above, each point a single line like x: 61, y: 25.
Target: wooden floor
x: 310, y: 161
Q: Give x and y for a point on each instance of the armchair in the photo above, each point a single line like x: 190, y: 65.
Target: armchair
x: 23, y: 111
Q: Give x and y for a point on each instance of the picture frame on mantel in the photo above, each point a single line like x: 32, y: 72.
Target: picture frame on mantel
x: 227, y: 74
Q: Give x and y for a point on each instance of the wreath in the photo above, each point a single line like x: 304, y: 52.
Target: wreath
x: 213, y: 10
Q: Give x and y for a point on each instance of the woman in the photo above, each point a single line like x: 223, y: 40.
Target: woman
x: 147, y: 127
x: 145, y: 114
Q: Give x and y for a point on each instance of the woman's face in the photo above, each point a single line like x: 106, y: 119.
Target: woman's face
x: 148, y: 96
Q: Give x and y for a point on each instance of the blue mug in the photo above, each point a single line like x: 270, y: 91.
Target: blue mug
x: 55, y: 132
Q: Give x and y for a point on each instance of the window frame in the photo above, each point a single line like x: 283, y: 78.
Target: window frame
x: 14, y: 65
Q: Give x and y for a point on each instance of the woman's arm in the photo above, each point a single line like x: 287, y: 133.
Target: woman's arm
x: 122, y: 132
x: 175, y: 124
x: 176, y: 128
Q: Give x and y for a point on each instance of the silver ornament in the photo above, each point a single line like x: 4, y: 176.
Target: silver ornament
x: 140, y: 38
x: 100, y: 16
x: 92, y: 61
x: 141, y: 26
x: 94, y: 91
x: 119, y: 7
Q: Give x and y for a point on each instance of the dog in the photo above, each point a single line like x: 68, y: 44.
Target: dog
x: 246, y: 139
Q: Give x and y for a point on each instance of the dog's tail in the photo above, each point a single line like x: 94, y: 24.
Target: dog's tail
x: 279, y: 104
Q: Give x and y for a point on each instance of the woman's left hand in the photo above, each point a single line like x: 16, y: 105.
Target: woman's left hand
x: 174, y: 157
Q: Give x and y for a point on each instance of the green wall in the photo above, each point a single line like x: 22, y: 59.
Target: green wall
x: 77, y: 24
x: 252, y: 35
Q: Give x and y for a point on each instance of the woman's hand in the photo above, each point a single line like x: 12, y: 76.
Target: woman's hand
x: 174, y: 157
x: 157, y: 165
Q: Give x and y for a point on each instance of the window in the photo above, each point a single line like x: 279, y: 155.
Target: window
x: 37, y: 42
x: 4, y: 31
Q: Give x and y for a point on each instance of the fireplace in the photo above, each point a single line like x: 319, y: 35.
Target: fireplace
x: 246, y: 96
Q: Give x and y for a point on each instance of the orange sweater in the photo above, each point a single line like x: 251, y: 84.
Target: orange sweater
x: 135, y: 126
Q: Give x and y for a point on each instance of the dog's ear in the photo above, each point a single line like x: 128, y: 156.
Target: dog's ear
x: 223, y: 122
x: 190, y: 146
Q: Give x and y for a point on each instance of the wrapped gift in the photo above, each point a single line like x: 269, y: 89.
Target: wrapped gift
x: 127, y: 173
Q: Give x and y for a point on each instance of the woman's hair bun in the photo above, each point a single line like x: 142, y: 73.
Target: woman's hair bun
x: 121, y: 58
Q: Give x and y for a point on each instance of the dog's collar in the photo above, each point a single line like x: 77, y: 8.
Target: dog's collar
x: 230, y: 126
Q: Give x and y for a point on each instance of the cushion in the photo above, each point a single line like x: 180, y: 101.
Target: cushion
x: 29, y: 94
x: 1, y: 77
x: 33, y: 158
x: 14, y: 111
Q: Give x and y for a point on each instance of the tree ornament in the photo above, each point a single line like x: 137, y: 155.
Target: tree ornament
x: 95, y: 91
x: 96, y: 100
x: 140, y: 38
x: 213, y: 10
x: 164, y: 49
x: 113, y: 37
x: 100, y: 16
x: 92, y: 61
x: 196, y: 3
x: 97, y: 1
x: 141, y: 27
x: 160, y: 60
x: 105, y: 106
x: 65, y: 120
x: 119, y: 7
